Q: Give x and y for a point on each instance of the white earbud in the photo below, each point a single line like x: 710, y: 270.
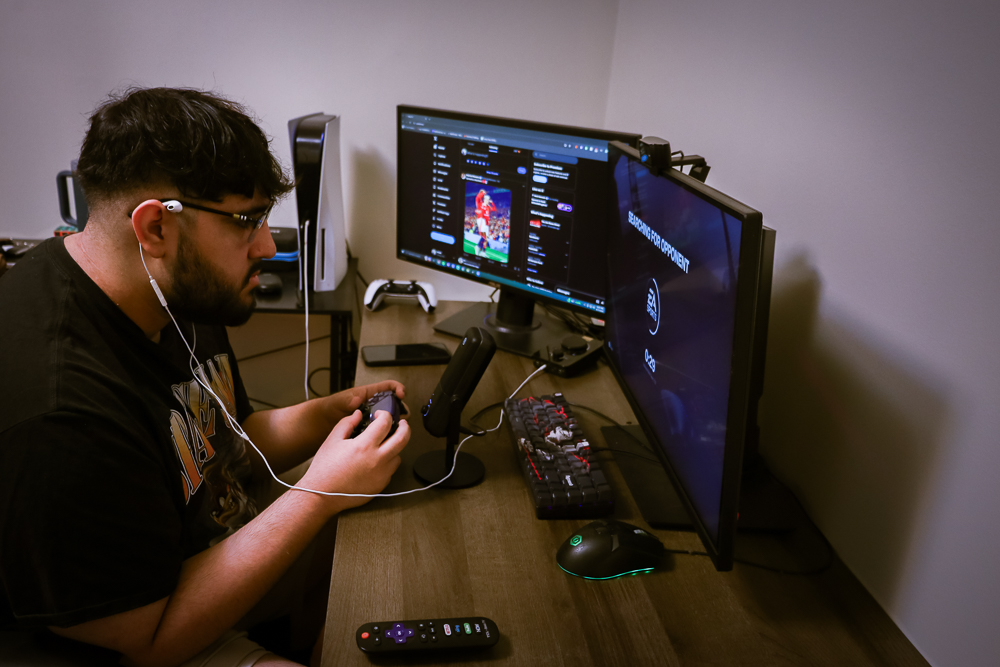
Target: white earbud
x: 173, y: 206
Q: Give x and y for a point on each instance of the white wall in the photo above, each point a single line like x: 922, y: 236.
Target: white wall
x: 867, y: 135
x: 538, y: 59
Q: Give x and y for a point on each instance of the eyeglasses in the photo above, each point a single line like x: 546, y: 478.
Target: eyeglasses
x: 247, y: 222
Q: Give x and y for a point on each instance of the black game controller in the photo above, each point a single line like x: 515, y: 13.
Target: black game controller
x: 384, y: 400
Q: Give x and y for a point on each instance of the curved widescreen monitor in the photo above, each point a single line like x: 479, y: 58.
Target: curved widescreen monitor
x: 683, y: 278
x: 514, y: 204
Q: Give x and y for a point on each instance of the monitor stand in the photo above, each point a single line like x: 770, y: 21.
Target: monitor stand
x: 765, y: 504
x: 512, y: 323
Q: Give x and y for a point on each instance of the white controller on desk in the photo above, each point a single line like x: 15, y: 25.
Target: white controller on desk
x: 413, y: 289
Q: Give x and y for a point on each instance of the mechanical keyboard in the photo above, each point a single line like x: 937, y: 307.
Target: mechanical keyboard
x: 565, y: 480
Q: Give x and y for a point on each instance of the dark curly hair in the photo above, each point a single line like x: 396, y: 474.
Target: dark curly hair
x: 206, y: 146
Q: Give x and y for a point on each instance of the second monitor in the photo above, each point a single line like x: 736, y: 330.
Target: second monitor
x: 515, y: 204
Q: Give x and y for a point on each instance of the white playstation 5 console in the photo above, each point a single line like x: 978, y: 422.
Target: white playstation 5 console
x: 319, y: 198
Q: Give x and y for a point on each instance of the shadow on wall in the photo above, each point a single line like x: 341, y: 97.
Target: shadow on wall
x: 854, y: 430
x: 371, y: 222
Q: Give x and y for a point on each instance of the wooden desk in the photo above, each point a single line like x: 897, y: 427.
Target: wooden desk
x: 482, y: 551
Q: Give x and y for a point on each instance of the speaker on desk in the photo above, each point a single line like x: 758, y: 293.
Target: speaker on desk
x: 319, y: 198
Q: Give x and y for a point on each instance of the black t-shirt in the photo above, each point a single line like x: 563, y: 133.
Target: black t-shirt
x: 115, y: 464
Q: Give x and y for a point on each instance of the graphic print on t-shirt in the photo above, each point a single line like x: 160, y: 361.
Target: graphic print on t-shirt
x: 211, y: 456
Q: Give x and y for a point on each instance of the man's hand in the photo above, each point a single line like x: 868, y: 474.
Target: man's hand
x: 289, y: 436
x: 363, y: 464
x: 345, y: 402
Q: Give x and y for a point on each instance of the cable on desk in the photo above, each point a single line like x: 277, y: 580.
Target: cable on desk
x: 281, y: 349
x: 264, y: 403
x: 473, y: 418
x: 620, y: 427
x: 573, y: 321
x: 769, y: 568
x: 310, y: 378
x: 624, y: 451
x: 596, y: 412
x: 358, y: 300
x: 803, y: 573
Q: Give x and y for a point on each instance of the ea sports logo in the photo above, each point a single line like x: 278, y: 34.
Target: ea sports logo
x: 653, y: 306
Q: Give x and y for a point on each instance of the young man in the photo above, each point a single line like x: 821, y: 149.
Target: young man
x: 126, y: 518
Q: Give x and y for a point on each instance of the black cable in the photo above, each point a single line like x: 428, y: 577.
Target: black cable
x: 570, y: 319
x: 768, y: 568
x: 310, y: 378
x: 257, y: 400
x: 282, y: 349
x: 621, y: 427
x: 599, y: 414
x: 802, y: 573
x: 472, y: 420
x: 624, y: 451
x: 361, y: 278
x: 686, y: 552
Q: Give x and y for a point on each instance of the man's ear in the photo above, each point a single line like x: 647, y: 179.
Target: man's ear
x: 154, y: 227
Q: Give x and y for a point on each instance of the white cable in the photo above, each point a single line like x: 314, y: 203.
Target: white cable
x: 305, y: 292
x: 235, y: 426
x: 513, y: 394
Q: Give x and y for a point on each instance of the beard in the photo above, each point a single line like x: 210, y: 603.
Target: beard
x: 201, y: 295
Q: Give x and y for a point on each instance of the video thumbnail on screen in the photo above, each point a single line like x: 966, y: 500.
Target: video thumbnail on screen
x: 487, y: 222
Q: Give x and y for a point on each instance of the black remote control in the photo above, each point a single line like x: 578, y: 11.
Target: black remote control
x: 438, y: 634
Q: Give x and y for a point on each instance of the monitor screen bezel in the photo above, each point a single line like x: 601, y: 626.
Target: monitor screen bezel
x: 720, y: 550
x: 628, y: 138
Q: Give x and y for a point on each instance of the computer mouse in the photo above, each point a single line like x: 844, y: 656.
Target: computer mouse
x: 606, y: 548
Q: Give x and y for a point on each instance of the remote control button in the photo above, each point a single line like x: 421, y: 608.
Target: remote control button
x: 364, y: 635
x: 423, y: 637
x: 447, y: 629
x: 400, y: 633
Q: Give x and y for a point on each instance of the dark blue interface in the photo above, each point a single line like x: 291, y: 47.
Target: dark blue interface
x: 672, y: 310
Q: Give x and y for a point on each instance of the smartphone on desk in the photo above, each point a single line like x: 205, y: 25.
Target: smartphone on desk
x: 410, y: 354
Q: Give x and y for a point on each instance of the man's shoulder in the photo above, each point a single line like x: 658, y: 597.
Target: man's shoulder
x: 60, y: 345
